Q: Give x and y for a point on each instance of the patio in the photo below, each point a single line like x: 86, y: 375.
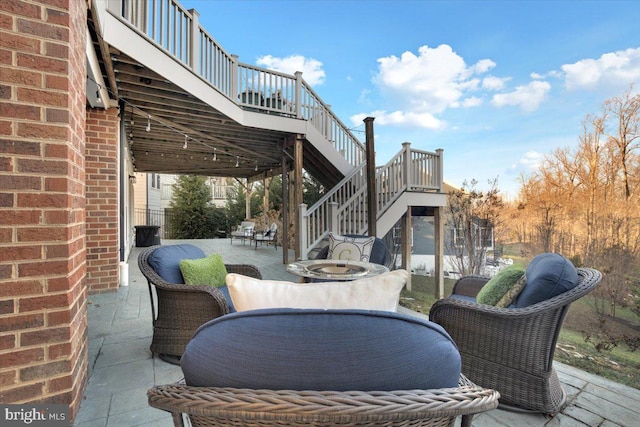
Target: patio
x: 121, y: 368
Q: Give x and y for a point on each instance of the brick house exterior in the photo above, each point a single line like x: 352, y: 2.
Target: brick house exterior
x: 58, y: 201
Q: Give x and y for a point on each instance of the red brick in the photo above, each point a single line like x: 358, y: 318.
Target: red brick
x: 20, y: 322
x: 56, y: 82
x: 24, y: 393
x: 53, y: 115
x: 42, y: 167
x: 33, y: 130
x: 45, y: 336
x: 12, y: 110
x: 57, y: 351
x: 57, y: 17
x: 21, y: 253
x: 5, y: 271
x: 43, y: 302
x: 6, y: 57
x: 6, y: 127
x: 22, y: 217
x: 8, y: 378
x: 27, y: 200
x: 56, y: 50
x: 6, y: 200
x: 42, y: 63
x: 6, y: 164
x: 57, y: 318
x: 7, y: 341
x: 22, y: 357
x: 21, y: 288
x: 21, y: 77
x: 44, y: 371
x: 6, y: 307
x: 20, y: 43
x: 40, y: 29
x: 5, y: 91
x: 61, y: 217
x: 6, y: 21
x: 45, y: 268
x: 60, y: 384
x: 42, y: 97
x: 20, y: 147
x: 21, y: 8
x: 18, y: 182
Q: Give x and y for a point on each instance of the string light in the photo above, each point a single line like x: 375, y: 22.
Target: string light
x: 98, y: 99
x: 256, y: 168
x: 148, y: 127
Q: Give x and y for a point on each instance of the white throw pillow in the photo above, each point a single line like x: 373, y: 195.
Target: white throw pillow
x: 350, y: 248
x: 380, y: 292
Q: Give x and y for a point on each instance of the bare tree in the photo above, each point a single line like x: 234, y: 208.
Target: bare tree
x: 472, y: 216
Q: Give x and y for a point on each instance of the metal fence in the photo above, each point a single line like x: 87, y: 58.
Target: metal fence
x: 159, y: 217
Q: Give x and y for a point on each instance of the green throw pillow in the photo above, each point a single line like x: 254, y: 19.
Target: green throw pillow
x: 204, y: 271
x: 500, y: 285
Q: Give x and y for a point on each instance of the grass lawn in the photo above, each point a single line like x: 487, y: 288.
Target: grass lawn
x: 618, y: 365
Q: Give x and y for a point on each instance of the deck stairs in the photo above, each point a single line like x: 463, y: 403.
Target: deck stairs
x: 262, y: 98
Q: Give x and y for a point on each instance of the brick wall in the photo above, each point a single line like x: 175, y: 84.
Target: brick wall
x: 43, y: 322
x: 102, y: 199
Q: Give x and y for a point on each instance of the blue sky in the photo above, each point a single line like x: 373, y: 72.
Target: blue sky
x: 496, y: 84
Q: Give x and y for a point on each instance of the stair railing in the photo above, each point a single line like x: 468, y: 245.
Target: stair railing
x: 177, y: 32
x: 343, y: 210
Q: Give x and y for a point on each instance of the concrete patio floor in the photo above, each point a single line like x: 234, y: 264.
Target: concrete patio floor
x: 121, y: 368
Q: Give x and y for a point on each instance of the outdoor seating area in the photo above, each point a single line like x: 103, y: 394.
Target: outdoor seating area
x: 510, y: 349
x: 127, y: 384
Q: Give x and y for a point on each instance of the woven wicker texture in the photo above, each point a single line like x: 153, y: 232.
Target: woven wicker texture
x: 210, y: 406
x: 178, y: 309
x: 511, y: 349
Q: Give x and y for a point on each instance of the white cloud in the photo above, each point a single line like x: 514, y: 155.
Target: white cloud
x: 531, y: 160
x: 472, y: 101
x: 431, y: 81
x: 411, y: 119
x: 312, y: 71
x: 619, y: 68
x: 494, y: 83
x: 528, y: 97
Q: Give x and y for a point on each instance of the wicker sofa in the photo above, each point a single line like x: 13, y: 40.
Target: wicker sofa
x: 179, y: 309
x: 511, y: 349
x: 312, y: 367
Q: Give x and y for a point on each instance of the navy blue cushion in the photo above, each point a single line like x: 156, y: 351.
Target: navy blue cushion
x: 225, y: 291
x: 307, y: 349
x: 548, y: 275
x: 165, y: 260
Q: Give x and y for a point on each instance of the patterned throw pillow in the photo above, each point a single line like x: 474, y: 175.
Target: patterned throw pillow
x: 512, y: 294
x: 350, y: 248
x: 496, y: 288
x: 204, y: 271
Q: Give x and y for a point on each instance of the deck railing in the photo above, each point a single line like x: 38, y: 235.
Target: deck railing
x: 177, y: 31
x: 343, y: 210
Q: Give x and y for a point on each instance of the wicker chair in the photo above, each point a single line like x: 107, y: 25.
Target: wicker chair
x: 181, y: 308
x: 211, y: 406
x: 511, y: 349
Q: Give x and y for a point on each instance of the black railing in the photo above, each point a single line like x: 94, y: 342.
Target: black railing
x: 159, y: 217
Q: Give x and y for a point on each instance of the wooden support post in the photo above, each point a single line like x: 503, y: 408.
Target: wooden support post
x: 285, y: 208
x: 406, y: 244
x: 372, y: 211
x: 297, y: 185
x: 438, y: 232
